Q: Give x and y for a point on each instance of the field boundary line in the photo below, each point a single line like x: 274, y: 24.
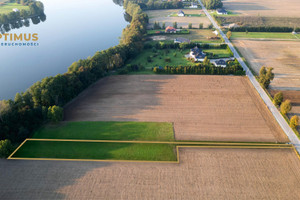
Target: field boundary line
x: 9, y: 157
x: 286, y: 146
x: 161, y: 142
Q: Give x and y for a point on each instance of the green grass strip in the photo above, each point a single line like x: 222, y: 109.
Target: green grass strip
x: 97, y: 151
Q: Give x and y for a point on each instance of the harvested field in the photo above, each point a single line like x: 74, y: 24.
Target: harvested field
x: 274, y: 8
x: 164, y: 16
x: 206, y: 173
x: 208, y: 108
x: 283, y: 56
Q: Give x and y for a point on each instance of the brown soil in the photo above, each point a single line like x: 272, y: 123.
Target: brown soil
x: 274, y: 8
x: 211, y: 108
x: 202, y: 174
x: 283, y: 56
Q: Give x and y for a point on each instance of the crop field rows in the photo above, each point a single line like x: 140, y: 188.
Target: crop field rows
x: 211, y: 173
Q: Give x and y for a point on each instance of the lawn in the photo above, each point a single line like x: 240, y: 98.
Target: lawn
x: 101, y: 151
x: 264, y: 35
x: 142, y: 131
x: 222, y: 53
x: 177, y: 57
x: 8, y: 7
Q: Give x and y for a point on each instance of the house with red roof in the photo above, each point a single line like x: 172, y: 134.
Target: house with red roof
x: 170, y: 29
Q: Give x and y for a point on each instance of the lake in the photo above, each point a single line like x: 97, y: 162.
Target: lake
x: 73, y: 30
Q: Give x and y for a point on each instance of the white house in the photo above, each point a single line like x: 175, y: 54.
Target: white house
x: 194, y: 5
x: 216, y: 32
x: 16, y: 10
x: 180, y: 13
x: 197, y: 54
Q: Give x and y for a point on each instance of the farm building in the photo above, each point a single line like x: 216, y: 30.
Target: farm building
x: 170, y: 29
x: 197, y: 54
x: 194, y: 5
x: 180, y: 13
x: 221, y: 11
x: 181, y: 40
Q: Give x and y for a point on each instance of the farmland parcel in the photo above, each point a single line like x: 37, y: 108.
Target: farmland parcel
x: 203, y: 108
x: 205, y: 173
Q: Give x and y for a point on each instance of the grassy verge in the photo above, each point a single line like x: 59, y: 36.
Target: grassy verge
x: 8, y: 7
x: 101, y: 151
x: 145, y: 131
x: 263, y: 35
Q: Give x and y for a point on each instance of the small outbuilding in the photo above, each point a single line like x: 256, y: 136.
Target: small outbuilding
x: 180, y: 14
x: 194, y: 5
x: 16, y: 10
x: 222, y: 11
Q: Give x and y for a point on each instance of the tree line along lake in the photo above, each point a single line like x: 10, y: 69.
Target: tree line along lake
x: 72, y: 30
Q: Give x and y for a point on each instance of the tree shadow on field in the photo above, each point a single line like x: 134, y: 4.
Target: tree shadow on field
x: 20, y: 179
x: 117, y: 98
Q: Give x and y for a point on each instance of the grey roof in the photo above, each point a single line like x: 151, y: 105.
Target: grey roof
x: 198, y: 53
x: 180, y: 12
x: 221, y: 62
x: 221, y: 10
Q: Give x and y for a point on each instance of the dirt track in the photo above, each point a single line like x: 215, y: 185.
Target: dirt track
x: 202, y: 174
x: 274, y: 8
x: 211, y: 108
x: 283, y: 56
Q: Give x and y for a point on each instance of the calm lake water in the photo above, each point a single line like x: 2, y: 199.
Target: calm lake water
x: 73, y: 30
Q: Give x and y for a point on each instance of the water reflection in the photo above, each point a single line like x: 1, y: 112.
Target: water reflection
x: 23, y: 23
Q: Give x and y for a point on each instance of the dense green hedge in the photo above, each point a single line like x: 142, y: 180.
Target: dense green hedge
x: 233, y: 67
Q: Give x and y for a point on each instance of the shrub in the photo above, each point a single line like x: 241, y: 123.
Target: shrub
x: 190, y: 25
x: 278, y: 98
x: 286, y: 107
x: 5, y: 148
x: 294, y: 123
x: 55, y: 113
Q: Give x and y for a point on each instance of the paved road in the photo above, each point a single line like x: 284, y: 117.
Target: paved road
x: 286, y: 128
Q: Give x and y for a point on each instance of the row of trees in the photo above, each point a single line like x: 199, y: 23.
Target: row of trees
x: 212, y: 4
x: 285, y: 108
x: 35, y: 8
x: 233, y: 67
x: 44, y: 100
x: 266, y: 75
